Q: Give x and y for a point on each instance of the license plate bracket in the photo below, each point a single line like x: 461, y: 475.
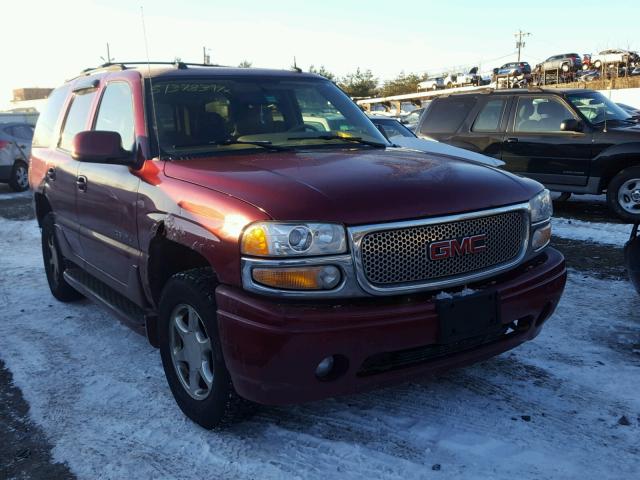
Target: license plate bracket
x: 466, y: 317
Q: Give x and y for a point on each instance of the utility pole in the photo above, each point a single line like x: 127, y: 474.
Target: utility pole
x: 519, y: 43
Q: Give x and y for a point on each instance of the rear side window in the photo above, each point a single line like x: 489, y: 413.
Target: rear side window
x: 489, y: 117
x: 44, y: 134
x: 77, y: 117
x: 115, y: 113
x: 446, y: 116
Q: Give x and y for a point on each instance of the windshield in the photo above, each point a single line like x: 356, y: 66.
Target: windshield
x: 597, y: 108
x: 222, y: 114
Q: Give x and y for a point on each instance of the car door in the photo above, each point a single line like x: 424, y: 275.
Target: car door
x: 536, y: 147
x: 107, y: 195
x: 60, y: 179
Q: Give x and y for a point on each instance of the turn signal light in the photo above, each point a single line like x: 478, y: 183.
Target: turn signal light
x: 298, y: 278
x: 541, y: 237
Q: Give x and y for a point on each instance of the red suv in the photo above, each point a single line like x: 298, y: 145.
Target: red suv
x: 261, y: 232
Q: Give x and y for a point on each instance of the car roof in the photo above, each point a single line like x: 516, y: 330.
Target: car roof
x: 185, y: 70
x: 519, y: 91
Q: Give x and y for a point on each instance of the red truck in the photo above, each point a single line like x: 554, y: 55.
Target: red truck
x: 260, y: 231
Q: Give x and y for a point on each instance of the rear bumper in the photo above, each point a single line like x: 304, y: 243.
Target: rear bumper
x: 272, y: 349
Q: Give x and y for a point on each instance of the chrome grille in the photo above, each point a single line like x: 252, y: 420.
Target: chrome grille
x: 399, y: 256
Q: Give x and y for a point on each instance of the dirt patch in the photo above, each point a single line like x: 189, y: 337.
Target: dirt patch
x: 25, y: 454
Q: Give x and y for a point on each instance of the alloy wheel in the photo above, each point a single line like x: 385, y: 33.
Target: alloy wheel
x: 191, y: 351
x: 629, y: 196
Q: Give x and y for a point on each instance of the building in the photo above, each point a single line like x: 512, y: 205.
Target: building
x: 22, y: 94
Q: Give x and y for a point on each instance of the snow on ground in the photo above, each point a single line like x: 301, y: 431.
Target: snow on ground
x: 549, y: 409
x: 608, y: 233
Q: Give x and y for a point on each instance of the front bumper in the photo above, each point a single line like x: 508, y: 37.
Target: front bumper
x: 272, y: 349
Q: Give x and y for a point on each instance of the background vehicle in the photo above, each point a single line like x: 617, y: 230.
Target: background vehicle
x: 462, y: 79
x: 514, y: 69
x: 15, y: 149
x: 269, y: 259
x: 615, y: 57
x: 433, y: 83
x: 632, y: 111
x: 574, y: 141
x: 399, y: 135
x: 411, y: 120
x: 566, y: 62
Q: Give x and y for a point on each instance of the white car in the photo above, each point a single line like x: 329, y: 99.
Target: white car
x: 15, y: 150
x: 615, y: 56
x: 435, y: 83
x: 401, y: 136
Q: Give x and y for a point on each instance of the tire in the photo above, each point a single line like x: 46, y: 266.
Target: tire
x: 19, y: 180
x: 434, y: 87
x: 449, y: 85
x: 585, y: 67
x: 55, y: 263
x: 597, y: 64
x: 623, y: 194
x: 188, y: 310
x: 565, y: 67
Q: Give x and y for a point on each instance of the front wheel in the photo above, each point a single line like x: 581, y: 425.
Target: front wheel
x: 623, y: 194
x: 19, y: 180
x: 191, y: 351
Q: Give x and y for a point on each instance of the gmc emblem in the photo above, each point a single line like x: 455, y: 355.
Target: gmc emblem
x: 457, y: 248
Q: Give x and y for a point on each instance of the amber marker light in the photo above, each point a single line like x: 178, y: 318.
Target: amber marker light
x: 298, y: 278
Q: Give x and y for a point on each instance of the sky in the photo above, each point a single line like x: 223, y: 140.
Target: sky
x: 42, y: 43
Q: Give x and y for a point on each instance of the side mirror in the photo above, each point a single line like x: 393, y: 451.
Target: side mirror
x: 571, y: 125
x: 95, y: 146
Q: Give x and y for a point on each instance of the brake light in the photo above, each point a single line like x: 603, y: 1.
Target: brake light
x: 3, y: 144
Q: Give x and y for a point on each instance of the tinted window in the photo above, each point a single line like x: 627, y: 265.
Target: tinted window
x: 115, y: 113
x: 44, y: 133
x: 489, y: 118
x: 540, y: 114
x: 77, y: 117
x: 446, y: 116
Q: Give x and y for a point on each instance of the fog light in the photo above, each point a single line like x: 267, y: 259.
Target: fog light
x: 324, y: 367
x: 298, y: 278
x: 541, y: 237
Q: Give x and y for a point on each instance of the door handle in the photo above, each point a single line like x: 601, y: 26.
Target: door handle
x: 51, y: 174
x: 81, y: 182
x: 512, y: 140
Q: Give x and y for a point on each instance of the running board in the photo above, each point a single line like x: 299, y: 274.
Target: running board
x: 128, y: 312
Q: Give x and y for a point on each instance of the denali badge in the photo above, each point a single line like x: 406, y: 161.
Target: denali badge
x: 457, y: 248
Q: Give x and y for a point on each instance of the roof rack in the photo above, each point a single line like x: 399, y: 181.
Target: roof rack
x: 124, y: 65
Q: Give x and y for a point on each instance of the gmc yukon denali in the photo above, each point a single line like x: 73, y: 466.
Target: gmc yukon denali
x: 260, y: 231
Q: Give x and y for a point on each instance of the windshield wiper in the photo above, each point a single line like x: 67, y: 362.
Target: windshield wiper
x: 359, y: 140
x: 231, y: 141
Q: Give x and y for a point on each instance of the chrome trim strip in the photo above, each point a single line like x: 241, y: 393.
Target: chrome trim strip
x: 356, y: 234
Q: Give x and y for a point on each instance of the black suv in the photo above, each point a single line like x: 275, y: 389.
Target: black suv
x: 574, y: 141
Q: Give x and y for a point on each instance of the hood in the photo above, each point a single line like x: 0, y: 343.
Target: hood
x: 354, y: 186
x: 433, y: 146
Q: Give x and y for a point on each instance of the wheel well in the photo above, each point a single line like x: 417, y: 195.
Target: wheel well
x: 166, y: 258
x: 42, y: 207
x: 616, y: 167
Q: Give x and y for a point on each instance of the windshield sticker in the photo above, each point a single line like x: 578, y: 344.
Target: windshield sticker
x: 180, y: 87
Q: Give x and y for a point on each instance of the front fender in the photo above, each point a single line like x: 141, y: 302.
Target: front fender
x: 615, y: 158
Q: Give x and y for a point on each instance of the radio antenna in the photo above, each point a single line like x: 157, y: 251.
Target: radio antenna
x: 153, y: 100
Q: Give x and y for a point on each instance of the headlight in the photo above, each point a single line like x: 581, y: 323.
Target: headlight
x: 272, y: 239
x: 541, y: 207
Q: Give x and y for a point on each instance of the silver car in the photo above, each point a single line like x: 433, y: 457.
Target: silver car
x: 15, y: 150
